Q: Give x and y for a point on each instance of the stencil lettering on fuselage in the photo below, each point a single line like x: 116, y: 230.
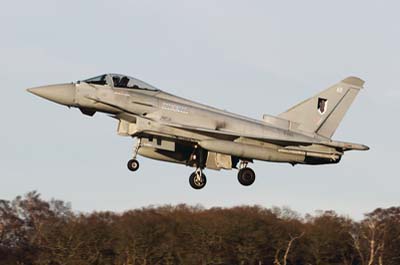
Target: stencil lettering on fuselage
x: 174, y: 108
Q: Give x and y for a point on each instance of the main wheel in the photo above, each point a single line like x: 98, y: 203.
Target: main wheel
x: 133, y: 165
x: 246, y: 176
x: 197, y: 182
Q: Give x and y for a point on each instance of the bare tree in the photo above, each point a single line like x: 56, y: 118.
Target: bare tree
x: 368, y: 241
x: 287, y: 250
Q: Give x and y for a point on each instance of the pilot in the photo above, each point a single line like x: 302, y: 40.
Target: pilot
x: 116, y: 81
x: 124, y: 82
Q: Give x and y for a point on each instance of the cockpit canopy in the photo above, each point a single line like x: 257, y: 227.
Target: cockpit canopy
x: 120, y: 81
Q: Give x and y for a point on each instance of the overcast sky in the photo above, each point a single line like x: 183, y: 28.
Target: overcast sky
x: 249, y: 57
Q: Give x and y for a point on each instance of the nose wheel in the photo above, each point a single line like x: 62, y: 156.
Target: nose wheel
x: 133, y: 164
x: 246, y: 175
x: 197, y: 179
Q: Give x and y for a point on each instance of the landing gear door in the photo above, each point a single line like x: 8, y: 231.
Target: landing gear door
x: 218, y: 161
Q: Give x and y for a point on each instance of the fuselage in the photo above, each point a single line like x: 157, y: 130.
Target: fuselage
x: 173, y: 129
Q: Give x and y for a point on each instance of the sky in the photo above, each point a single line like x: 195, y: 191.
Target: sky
x: 249, y: 57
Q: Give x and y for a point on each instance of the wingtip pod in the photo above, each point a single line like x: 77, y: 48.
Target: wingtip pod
x: 358, y: 147
x: 365, y: 147
x: 354, y: 81
x: 346, y: 146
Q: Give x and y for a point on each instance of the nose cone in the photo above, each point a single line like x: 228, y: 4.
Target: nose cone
x: 63, y: 94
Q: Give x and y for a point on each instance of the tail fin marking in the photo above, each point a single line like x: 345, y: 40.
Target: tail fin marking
x: 323, y: 113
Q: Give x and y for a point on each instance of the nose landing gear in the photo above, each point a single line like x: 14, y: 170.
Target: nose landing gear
x: 133, y: 164
x: 246, y: 175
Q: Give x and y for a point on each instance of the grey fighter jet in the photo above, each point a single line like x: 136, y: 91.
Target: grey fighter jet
x: 174, y: 129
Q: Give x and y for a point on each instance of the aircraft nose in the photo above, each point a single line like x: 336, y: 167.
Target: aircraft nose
x: 63, y: 94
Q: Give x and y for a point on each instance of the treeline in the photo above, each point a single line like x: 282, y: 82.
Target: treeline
x: 35, y: 231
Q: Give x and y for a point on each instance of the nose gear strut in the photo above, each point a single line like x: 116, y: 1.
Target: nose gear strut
x: 133, y: 164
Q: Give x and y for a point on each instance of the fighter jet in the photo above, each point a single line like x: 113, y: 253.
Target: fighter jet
x: 173, y: 129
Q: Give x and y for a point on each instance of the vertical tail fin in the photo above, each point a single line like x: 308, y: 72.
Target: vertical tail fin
x: 322, y: 113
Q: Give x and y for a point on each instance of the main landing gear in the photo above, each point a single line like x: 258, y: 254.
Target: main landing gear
x: 197, y: 179
x: 246, y: 175
x: 133, y: 164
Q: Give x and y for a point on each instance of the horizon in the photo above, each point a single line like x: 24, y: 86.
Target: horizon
x: 273, y: 208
